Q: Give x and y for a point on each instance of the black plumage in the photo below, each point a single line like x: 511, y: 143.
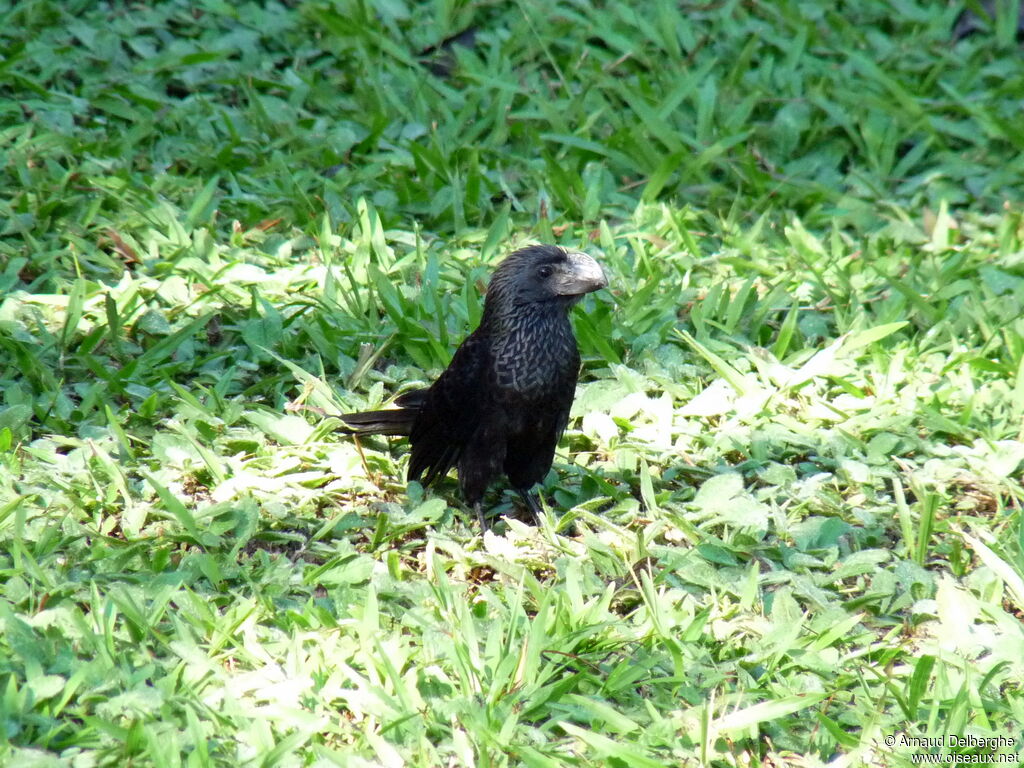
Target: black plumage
x: 503, y: 402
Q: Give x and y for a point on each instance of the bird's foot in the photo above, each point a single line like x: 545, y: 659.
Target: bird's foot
x: 479, y: 509
x: 533, y: 504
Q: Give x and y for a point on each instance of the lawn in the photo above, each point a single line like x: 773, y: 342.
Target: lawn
x: 784, y: 526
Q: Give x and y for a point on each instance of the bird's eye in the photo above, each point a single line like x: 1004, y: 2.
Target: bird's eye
x: 545, y: 271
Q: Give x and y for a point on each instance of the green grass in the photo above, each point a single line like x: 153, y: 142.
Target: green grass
x: 785, y: 522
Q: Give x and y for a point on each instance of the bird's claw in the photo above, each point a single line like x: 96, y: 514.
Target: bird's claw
x: 533, y: 504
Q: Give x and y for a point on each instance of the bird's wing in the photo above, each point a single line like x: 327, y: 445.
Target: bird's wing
x: 414, y: 398
x: 451, y: 410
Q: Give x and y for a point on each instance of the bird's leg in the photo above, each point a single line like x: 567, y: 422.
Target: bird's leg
x: 479, y: 509
x: 532, y: 503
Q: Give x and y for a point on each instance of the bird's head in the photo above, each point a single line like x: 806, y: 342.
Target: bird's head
x: 544, y: 274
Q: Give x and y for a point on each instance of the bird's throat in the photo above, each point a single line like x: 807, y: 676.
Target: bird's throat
x: 535, y: 350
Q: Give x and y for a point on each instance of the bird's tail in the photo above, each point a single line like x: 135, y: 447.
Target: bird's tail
x: 396, y: 421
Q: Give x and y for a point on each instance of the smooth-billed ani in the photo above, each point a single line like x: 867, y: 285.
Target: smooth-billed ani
x: 503, y: 402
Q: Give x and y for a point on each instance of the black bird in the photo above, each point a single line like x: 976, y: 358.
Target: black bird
x: 503, y: 402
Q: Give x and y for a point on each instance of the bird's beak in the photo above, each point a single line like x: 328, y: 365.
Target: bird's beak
x: 580, y: 275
